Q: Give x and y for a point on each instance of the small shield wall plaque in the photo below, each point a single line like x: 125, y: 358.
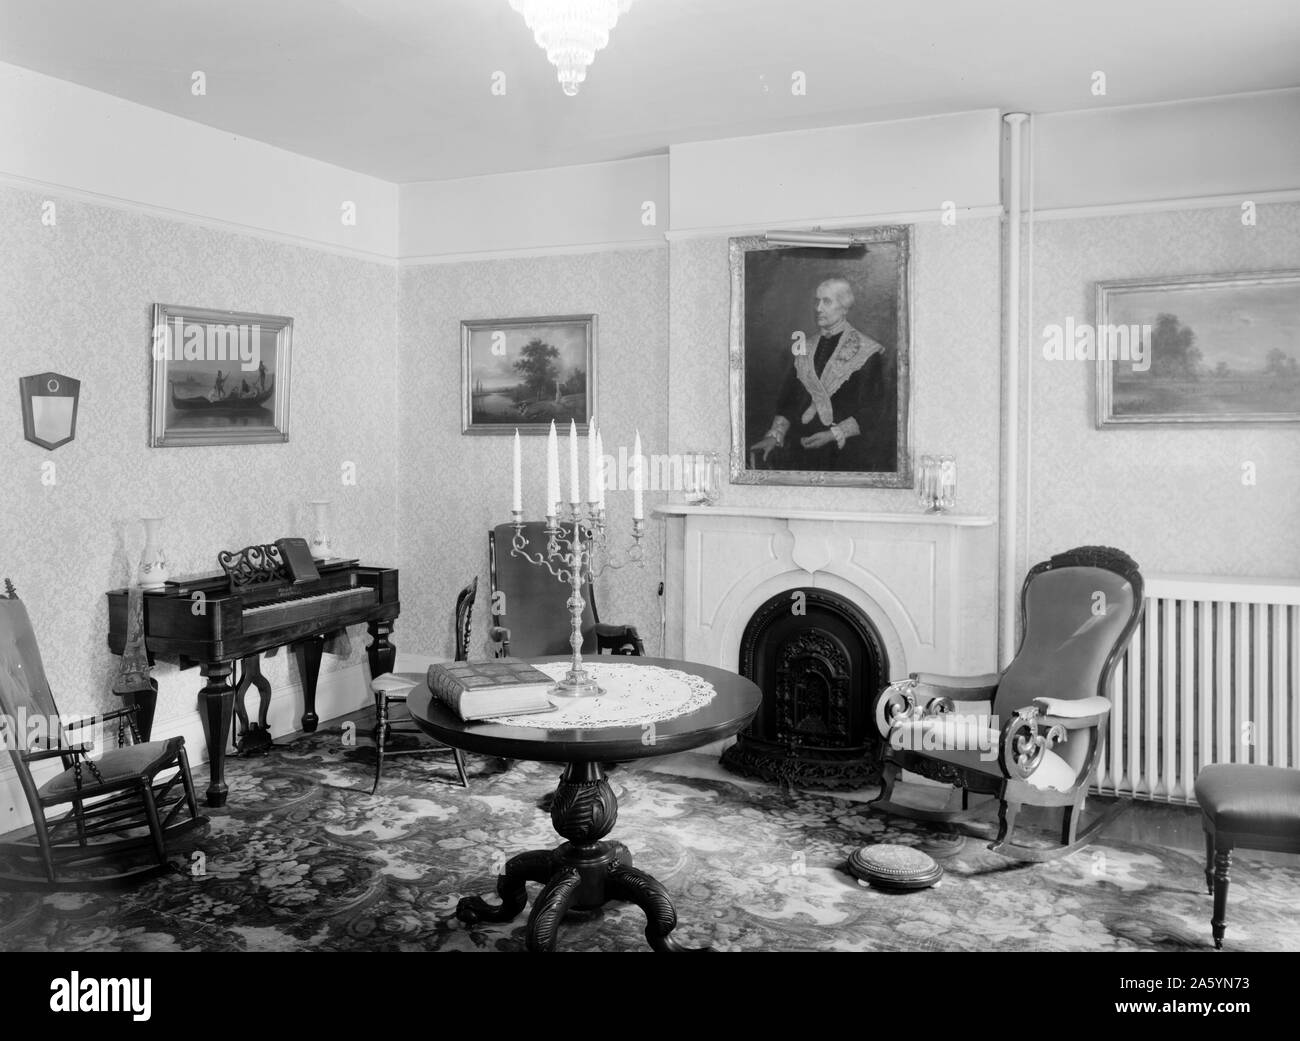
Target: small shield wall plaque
x: 49, y: 408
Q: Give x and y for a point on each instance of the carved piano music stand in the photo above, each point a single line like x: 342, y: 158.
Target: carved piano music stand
x: 254, y: 566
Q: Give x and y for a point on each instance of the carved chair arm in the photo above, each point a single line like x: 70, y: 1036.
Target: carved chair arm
x: 985, y: 682
x: 907, y: 700
x: 968, y: 694
x: 50, y: 753
x: 1029, y: 735
x: 1074, y: 715
x: 928, y: 695
x: 66, y: 751
x: 127, y: 713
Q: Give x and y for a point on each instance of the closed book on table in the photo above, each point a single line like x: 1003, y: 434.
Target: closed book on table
x: 496, y: 687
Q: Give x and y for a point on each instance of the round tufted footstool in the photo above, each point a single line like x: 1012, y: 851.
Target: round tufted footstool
x: 894, y: 868
x: 1254, y: 807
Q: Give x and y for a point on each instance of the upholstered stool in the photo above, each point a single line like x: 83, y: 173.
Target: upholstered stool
x: 1254, y: 807
x: 896, y: 868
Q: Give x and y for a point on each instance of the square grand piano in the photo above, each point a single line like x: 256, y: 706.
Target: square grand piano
x: 215, y: 621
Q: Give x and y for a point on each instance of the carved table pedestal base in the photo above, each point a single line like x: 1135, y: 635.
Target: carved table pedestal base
x: 580, y: 875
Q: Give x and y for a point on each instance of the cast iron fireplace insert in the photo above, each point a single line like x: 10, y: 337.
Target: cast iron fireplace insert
x: 819, y: 662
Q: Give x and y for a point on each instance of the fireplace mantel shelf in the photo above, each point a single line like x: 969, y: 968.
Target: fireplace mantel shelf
x: 926, y: 581
x: 847, y: 516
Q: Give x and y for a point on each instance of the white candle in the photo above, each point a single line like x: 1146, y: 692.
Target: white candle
x: 592, y: 477
x: 575, y: 494
x: 517, y: 504
x: 600, y: 471
x: 638, y: 479
x: 552, y: 473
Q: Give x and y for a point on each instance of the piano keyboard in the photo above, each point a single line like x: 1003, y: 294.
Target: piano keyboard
x: 277, y: 613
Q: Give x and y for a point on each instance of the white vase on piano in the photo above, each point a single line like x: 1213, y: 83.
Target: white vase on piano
x: 320, y: 537
x: 152, y: 573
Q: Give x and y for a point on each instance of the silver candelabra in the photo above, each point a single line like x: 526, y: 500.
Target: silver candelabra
x: 577, y: 559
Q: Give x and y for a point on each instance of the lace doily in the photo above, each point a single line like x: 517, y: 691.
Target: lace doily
x: 634, y: 695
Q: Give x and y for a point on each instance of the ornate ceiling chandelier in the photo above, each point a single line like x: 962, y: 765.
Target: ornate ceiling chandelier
x: 571, y: 32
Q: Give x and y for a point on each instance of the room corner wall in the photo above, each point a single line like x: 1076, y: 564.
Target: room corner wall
x: 1151, y: 192
x: 453, y: 488
x: 95, y: 234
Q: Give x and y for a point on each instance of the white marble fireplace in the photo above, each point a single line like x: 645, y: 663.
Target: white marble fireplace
x: 928, y: 582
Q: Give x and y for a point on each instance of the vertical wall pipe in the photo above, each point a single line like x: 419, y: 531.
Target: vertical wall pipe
x: 1011, y: 404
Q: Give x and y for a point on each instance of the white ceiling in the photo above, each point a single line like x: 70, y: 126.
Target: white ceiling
x: 401, y: 88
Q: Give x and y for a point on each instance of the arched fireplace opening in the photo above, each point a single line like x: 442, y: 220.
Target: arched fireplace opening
x: 819, y: 662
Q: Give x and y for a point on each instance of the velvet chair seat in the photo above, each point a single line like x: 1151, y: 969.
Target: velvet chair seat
x: 1243, y: 797
x: 118, y: 764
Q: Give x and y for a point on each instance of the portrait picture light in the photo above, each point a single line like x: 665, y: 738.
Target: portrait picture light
x: 825, y: 239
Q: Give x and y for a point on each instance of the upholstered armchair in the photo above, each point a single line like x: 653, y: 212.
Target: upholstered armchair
x: 529, y: 616
x: 1031, y: 735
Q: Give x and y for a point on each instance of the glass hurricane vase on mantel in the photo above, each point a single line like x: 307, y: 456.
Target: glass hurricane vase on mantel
x: 936, y: 483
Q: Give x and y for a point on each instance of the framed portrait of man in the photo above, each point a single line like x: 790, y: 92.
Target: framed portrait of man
x: 820, y: 358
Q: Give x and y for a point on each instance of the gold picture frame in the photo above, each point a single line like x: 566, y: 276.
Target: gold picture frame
x: 219, y: 377
x: 522, y: 373
x: 1219, y: 349
x: 772, y: 296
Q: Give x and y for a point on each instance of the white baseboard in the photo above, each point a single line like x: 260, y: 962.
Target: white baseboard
x: 337, y: 694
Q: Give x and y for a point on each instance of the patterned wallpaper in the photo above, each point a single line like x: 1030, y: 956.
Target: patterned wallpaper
x: 453, y: 488
x: 377, y: 383
x: 955, y: 367
x: 1172, y: 497
x: 77, y: 299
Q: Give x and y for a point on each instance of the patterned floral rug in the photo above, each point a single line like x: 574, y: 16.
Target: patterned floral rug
x: 305, y: 858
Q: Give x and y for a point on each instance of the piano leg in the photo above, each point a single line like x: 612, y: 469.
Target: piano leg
x: 309, y: 652
x: 218, y: 707
x: 381, y: 652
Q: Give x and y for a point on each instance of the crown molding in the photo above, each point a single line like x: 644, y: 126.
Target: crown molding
x: 212, y: 223
x: 832, y: 223
x: 618, y: 246
x: 1199, y: 202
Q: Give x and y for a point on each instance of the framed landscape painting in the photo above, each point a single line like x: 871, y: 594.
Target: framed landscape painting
x: 522, y: 373
x: 819, y: 363
x: 219, y: 377
x: 1216, y: 349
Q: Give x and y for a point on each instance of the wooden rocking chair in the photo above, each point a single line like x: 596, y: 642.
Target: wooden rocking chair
x: 997, y: 734
x: 118, y: 802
